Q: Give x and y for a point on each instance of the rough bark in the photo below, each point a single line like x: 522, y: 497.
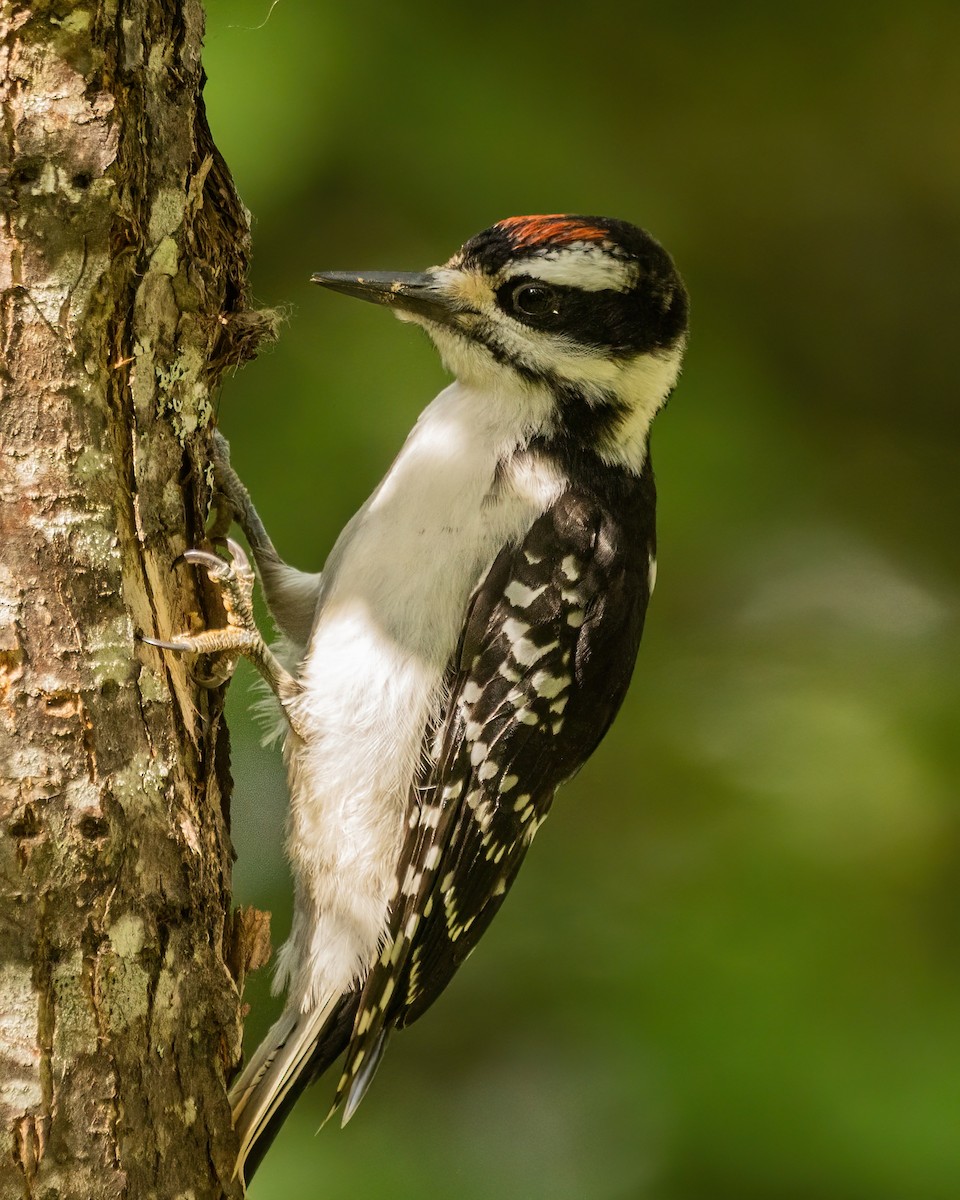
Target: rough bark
x: 122, y: 266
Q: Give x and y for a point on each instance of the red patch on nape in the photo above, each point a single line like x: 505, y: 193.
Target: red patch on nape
x: 553, y: 229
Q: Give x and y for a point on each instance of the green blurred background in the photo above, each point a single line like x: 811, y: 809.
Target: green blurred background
x: 730, y: 967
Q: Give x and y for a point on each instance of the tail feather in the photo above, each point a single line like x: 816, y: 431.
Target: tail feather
x: 298, y: 1048
x: 245, y: 1086
x: 358, y: 1083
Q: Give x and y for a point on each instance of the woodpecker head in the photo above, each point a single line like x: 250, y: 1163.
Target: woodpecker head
x: 589, y: 310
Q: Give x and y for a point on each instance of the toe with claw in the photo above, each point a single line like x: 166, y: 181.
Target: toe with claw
x: 240, y: 635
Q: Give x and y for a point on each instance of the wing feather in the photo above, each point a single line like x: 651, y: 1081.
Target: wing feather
x: 544, y: 661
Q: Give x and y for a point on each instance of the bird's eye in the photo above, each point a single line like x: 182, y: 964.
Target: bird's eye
x: 535, y: 300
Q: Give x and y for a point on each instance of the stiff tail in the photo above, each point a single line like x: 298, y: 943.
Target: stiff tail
x: 297, y: 1049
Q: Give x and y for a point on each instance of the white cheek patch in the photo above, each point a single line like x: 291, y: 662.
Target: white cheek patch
x: 585, y: 266
x: 645, y: 385
x: 558, y: 355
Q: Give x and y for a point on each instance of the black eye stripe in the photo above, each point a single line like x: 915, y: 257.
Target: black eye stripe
x: 648, y: 317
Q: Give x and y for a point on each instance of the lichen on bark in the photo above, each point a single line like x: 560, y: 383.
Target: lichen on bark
x: 122, y: 300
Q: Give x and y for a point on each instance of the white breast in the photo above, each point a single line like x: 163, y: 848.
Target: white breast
x: 390, y: 615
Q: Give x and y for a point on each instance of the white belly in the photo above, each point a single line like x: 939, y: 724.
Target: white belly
x: 389, y: 619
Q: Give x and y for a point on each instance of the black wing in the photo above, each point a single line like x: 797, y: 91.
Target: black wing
x: 548, y: 649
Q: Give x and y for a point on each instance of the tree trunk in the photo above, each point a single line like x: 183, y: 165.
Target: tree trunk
x: 122, y: 268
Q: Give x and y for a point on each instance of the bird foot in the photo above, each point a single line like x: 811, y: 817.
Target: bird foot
x: 239, y: 636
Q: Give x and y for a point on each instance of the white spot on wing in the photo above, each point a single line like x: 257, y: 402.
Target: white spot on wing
x: 550, y: 686
x: 521, y: 596
x: 471, y: 692
x: 430, y: 816
x: 526, y: 652
x: 515, y: 630
x: 413, y: 984
x: 411, y: 881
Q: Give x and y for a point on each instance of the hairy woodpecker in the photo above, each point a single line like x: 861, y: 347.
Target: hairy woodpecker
x: 471, y: 636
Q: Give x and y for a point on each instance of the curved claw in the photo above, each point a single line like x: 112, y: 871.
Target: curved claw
x: 238, y: 554
x: 203, y: 558
x: 164, y: 645
x: 239, y: 562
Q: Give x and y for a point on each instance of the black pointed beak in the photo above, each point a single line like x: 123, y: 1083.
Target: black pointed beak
x: 412, y: 292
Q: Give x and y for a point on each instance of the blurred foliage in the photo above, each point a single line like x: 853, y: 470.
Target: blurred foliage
x: 729, y: 968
